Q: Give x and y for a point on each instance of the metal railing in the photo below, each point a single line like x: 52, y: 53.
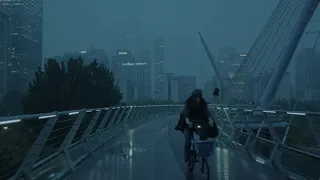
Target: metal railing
x: 291, y: 146
x: 51, y: 145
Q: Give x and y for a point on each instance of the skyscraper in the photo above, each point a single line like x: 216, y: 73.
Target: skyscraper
x: 88, y: 55
x: 208, y: 88
x: 186, y: 84
x: 159, y: 75
x: 5, y: 46
x: 145, y: 75
x: 121, y: 65
x: 223, y: 55
x: 307, y: 73
x: 171, y: 89
x: 126, y: 35
x: 133, y: 75
x: 26, y: 52
x: 284, y: 88
x: 229, y: 62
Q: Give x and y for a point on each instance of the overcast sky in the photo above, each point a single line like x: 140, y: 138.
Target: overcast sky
x: 71, y: 25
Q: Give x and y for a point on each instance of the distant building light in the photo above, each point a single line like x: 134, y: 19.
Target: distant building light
x: 122, y: 53
x: 133, y: 64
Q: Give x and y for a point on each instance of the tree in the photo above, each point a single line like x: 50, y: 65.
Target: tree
x: 72, y: 86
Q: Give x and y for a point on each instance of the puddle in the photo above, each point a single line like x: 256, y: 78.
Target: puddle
x: 125, y: 149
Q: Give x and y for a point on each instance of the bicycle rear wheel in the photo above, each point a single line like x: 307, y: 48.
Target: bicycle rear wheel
x: 205, y: 169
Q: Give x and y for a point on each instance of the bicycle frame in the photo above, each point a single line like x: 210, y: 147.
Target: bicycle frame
x: 197, y: 158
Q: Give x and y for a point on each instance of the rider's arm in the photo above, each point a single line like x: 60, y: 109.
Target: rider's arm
x: 186, y: 113
x: 208, y: 114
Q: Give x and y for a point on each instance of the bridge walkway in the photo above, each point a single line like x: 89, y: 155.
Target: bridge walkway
x: 155, y: 151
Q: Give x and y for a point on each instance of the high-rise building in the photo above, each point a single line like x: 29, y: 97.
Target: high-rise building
x: 159, y: 75
x: 122, y: 71
x: 126, y: 36
x: 167, y: 86
x: 223, y: 55
x: 230, y: 64
x: 91, y: 54
x: 133, y: 75
x: 307, y: 73
x: 136, y: 74
x: 284, y: 88
x: 5, y: 47
x: 26, y: 51
x: 88, y: 56
x: 171, y: 90
x: 186, y: 84
x: 208, y: 90
x: 144, y: 75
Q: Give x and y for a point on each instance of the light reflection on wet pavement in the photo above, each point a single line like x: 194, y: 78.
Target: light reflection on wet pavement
x: 142, y: 153
x: 145, y: 153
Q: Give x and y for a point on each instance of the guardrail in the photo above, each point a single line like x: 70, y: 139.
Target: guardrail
x: 283, y: 147
x: 53, y: 144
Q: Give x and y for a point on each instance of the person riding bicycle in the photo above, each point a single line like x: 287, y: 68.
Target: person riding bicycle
x: 195, y: 109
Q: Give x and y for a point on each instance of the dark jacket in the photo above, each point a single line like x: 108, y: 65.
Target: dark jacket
x: 195, y: 112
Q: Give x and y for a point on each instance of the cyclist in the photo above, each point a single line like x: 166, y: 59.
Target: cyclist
x: 195, y: 109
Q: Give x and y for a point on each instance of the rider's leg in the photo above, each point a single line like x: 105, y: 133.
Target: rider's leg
x: 187, y: 143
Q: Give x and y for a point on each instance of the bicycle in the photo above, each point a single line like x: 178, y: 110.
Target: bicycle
x: 201, y: 149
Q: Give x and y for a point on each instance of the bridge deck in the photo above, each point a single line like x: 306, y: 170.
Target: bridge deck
x: 148, y: 153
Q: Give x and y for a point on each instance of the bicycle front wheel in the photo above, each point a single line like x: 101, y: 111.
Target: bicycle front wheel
x: 205, y: 169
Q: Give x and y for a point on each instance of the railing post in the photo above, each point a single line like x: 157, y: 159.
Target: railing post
x: 155, y: 111
x: 138, y: 115
x: 274, y: 136
x: 89, y: 129
x: 68, y: 140
x: 102, y: 124
x: 246, y: 127
x: 87, y: 132
x: 118, y: 120
x: 125, y: 109
x: 104, y: 120
x: 132, y: 117
x: 146, y: 114
x: 231, y: 123
x: 126, y: 126
x: 273, y: 153
x: 134, y: 113
x: 222, y: 119
x: 250, y: 133
x: 284, y: 139
x: 142, y: 118
x: 151, y: 113
x: 37, y: 147
x: 259, y: 130
x: 314, y: 132
x: 113, y: 119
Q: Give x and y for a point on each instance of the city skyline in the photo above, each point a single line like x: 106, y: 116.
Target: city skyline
x: 129, y: 35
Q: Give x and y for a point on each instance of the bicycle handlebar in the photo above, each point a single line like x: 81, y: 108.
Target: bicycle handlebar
x: 199, y: 122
